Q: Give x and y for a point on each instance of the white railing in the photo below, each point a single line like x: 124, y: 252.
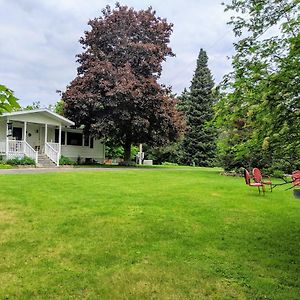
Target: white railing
x: 20, y: 149
x: 55, y: 146
x: 15, y: 149
x: 52, y: 153
x: 30, y: 152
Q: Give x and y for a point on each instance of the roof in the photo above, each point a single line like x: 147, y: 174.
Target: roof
x: 51, y: 114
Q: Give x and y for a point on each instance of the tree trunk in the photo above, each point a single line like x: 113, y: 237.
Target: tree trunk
x: 127, y: 151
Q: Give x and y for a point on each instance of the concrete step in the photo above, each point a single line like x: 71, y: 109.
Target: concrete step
x: 45, y: 162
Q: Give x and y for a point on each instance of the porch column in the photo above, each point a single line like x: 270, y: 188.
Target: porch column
x: 59, y: 141
x: 46, y: 133
x: 6, y: 144
x: 25, y: 130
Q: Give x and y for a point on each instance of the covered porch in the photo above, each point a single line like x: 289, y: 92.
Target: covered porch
x: 32, y: 133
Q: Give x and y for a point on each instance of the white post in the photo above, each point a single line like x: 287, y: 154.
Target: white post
x: 25, y: 129
x: 59, y: 142
x: 46, y: 134
x: 140, y: 156
x: 6, y: 148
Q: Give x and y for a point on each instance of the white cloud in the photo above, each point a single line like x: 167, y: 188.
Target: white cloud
x: 39, y: 41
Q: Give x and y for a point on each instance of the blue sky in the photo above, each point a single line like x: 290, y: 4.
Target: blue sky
x: 39, y: 41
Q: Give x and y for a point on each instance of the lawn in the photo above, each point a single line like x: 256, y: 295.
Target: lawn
x: 146, y: 234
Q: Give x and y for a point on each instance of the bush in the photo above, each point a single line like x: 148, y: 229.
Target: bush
x: 24, y: 161
x: 63, y: 161
x: 166, y: 163
x: 4, y: 166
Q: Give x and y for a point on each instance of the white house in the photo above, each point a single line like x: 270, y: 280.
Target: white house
x: 45, y: 136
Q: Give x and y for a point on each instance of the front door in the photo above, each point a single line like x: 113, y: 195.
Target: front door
x: 33, y: 136
x: 18, y: 133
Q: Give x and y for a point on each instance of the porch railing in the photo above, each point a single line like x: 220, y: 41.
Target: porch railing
x: 52, y: 153
x: 19, y: 149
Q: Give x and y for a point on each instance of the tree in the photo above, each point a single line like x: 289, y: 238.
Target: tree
x: 260, y: 108
x: 34, y: 105
x: 183, y: 101
x: 59, y: 107
x: 8, y: 102
x: 199, y: 140
x: 116, y: 95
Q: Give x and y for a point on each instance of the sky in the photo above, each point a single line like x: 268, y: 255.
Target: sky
x: 40, y: 38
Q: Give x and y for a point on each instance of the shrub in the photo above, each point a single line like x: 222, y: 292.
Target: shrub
x: 24, y: 161
x: 4, y: 166
x: 166, y: 163
x: 65, y: 161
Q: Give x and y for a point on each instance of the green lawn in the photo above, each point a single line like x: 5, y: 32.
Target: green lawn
x: 146, y: 234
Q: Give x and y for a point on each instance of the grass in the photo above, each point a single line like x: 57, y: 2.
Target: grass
x: 146, y: 234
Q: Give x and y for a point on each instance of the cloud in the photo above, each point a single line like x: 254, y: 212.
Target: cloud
x: 39, y: 41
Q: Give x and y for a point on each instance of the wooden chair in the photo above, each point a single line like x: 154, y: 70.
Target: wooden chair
x: 247, y: 178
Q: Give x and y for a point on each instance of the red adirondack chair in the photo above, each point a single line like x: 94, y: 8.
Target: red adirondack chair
x: 259, y: 179
x: 253, y: 184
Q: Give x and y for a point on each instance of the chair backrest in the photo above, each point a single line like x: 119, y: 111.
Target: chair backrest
x: 257, y: 175
x: 296, y: 178
x: 247, y: 177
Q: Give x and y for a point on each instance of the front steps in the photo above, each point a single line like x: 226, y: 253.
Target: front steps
x: 45, y: 162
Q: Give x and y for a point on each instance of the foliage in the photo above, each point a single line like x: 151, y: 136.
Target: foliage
x: 166, y: 163
x: 4, y: 166
x: 8, y: 101
x: 20, y: 161
x: 135, y: 231
x: 159, y: 155
x: 59, y: 107
x: 112, y: 151
x: 183, y: 101
x: 116, y: 95
x: 259, y: 111
x: 198, y: 145
x: 34, y: 105
x: 63, y: 161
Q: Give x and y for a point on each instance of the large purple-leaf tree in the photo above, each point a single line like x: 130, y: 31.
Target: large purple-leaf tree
x: 116, y: 94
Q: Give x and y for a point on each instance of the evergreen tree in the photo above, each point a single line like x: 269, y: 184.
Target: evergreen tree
x: 199, y: 141
x: 183, y: 101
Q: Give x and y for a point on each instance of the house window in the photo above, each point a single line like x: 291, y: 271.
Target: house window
x: 86, y: 140
x: 17, y: 133
x: 92, y: 143
x: 74, y: 139
x: 63, y: 137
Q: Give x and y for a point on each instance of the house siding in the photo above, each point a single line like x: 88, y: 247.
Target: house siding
x: 2, y: 129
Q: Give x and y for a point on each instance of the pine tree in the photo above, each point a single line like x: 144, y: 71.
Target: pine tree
x: 183, y: 101
x: 199, y: 141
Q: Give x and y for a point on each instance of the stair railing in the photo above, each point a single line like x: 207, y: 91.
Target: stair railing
x: 52, y: 153
x: 30, y: 152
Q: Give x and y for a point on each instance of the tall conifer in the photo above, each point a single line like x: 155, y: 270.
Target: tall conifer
x: 199, y: 141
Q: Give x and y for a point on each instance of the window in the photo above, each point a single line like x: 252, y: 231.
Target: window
x: 86, y: 140
x: 63, y: 137
x: 74, y: 139
x: 92, y: 143
x: 18, y: 133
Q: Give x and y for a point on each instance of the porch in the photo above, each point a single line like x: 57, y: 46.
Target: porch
x: 35, y: 133
x: 23, y: 142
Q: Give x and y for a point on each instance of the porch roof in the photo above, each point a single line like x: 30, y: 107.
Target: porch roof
x: 62, y: 120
